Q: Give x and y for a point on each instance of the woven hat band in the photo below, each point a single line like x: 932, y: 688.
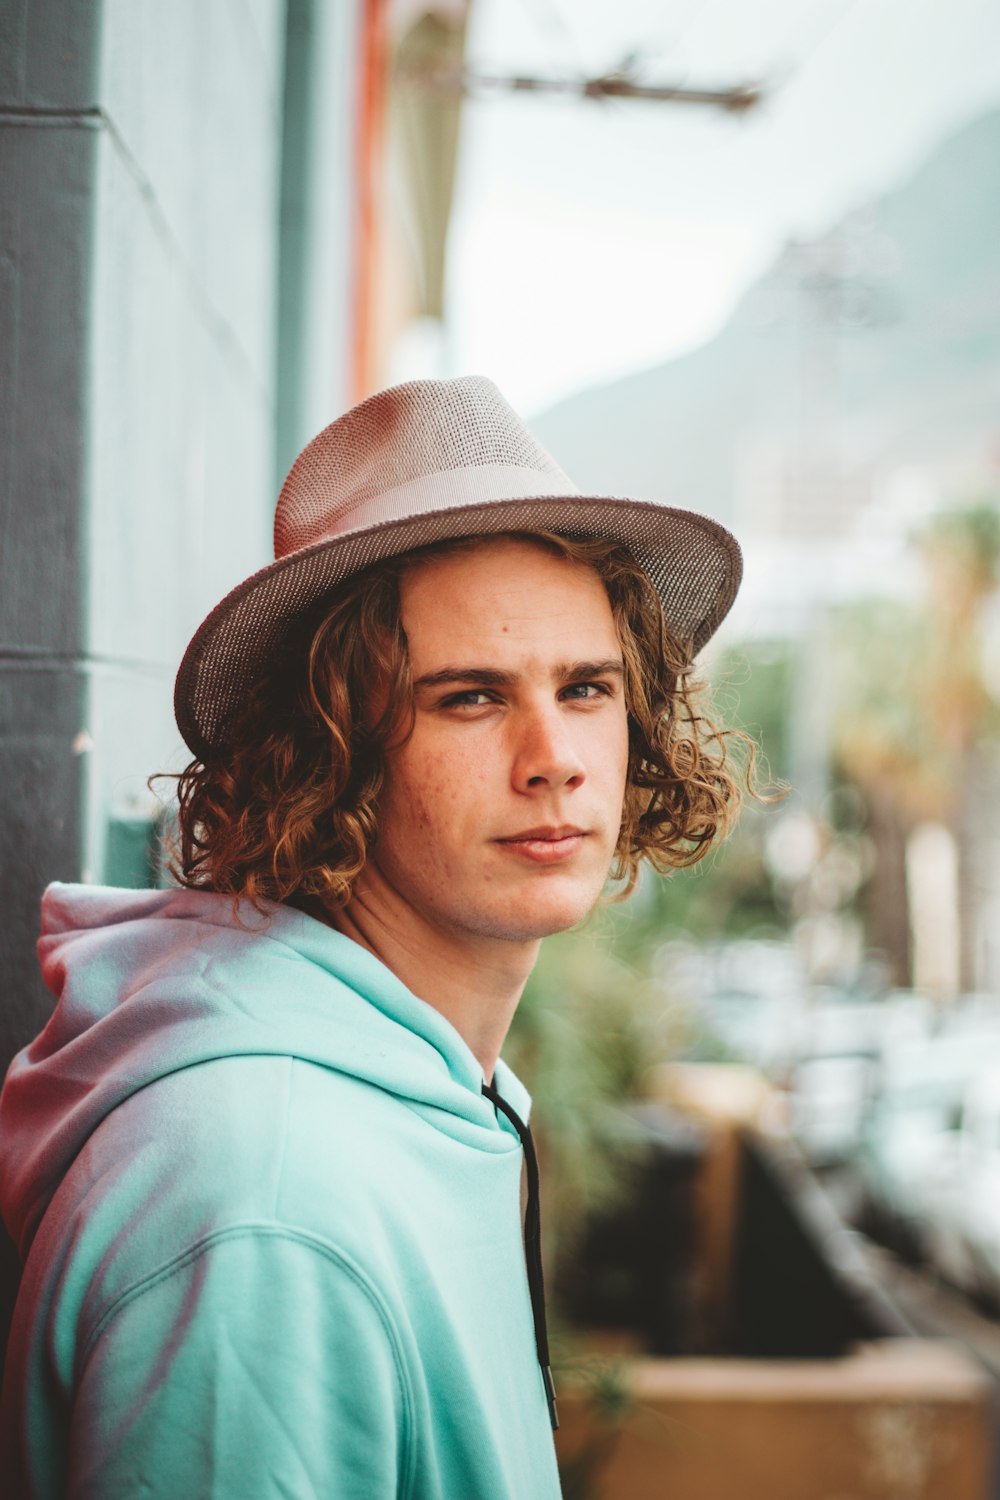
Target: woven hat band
x: 447, y: 490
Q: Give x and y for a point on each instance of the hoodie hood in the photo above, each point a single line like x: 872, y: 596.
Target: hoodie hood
x: 149, y: 982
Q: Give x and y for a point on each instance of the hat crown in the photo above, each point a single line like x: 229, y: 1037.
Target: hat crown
x: 422, y: 463
x: 406, y: 436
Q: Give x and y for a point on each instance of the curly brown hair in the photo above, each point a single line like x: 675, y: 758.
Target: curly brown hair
x: 290, y: 811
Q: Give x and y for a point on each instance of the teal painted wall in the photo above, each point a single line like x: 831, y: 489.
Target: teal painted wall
x: 176, y: 224
x: 176, y: 230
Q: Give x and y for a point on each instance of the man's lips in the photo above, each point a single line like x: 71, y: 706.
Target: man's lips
x: 548, y: 845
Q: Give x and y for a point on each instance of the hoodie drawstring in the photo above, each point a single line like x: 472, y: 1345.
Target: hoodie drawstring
x: 532, y: 1249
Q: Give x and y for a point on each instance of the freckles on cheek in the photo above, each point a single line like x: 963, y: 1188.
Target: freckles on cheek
x: 430, y: 793
x: 424, y: 819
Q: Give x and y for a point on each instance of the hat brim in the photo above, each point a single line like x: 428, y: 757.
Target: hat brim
x: 694, y: 563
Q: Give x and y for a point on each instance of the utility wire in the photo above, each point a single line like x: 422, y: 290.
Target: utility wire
x: 662, y: 48
x: 803, y: 53
x: 551, y: 22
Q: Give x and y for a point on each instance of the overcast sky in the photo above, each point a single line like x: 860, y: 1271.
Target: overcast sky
x: 593, y: 239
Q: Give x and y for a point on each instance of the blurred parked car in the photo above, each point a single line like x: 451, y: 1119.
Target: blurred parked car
x: 840, y: 1038
x: 963, y: 1175
x: 910, y: 1150
x: 830, y: 1097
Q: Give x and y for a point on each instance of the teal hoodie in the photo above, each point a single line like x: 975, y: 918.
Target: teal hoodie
x: 270, y: 1224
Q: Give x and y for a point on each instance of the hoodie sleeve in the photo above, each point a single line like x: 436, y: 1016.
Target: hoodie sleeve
x: 262, y: 1364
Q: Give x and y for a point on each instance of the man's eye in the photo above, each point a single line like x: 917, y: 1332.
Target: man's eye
x: 474, y: 698
x: 587, y: 690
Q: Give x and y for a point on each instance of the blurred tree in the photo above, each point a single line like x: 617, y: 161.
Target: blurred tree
x: 912, y: 707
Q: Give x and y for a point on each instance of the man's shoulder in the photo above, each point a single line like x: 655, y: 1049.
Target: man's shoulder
x: 242, y: 1138
x: 254, y: 1147
x: 246, y: 1121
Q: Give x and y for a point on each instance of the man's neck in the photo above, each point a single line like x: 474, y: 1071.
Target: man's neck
x: 474, y: 982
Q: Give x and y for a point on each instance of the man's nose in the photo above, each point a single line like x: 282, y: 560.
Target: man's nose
x: 546, y: 754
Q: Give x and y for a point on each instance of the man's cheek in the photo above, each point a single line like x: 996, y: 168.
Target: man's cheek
x: 436, y: 783
x: 428, y: 810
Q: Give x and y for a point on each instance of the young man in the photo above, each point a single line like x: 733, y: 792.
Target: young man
x: 263, y: 1164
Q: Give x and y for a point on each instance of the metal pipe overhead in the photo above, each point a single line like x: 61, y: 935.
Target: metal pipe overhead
x: 468, y: 83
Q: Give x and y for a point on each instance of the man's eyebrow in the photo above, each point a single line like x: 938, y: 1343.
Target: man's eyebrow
x: 577, y: 671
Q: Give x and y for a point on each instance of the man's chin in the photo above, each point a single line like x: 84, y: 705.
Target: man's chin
x: 544, y: 919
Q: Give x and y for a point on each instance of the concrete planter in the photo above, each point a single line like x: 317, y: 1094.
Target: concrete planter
x: 902, y: 1419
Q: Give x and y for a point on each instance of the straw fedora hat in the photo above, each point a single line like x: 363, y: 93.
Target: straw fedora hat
x: 420, y: 463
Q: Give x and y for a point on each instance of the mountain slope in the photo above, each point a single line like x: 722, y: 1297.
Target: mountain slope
x: 877, y: 346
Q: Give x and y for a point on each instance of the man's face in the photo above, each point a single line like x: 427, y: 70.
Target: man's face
x: 500, y: 814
